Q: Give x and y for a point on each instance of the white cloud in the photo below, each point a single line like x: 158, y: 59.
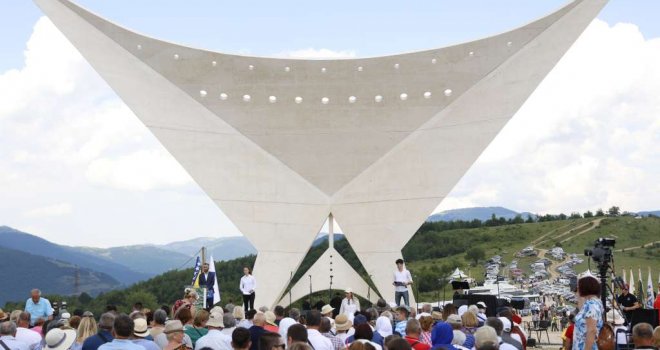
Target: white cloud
x: 49, y: 211
x: 312, y: 53
x: 141, y: 171
x: 588, y: 137
x: 65, y: 137
x: 59, y: 115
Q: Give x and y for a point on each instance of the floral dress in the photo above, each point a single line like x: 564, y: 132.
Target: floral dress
x: 592, y: 308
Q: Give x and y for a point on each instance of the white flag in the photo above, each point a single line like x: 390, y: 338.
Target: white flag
x: 216, y: 288
x: 631, y: 283
x: 624, y: 276
x: 649, y: 292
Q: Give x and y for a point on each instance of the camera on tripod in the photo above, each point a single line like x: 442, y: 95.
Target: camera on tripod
x: 601, y: 253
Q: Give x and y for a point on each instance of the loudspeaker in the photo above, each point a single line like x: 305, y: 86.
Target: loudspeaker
x: 455, y: 285
x: 473, y: 299
x: 517, y: 304
x: 649, y: 316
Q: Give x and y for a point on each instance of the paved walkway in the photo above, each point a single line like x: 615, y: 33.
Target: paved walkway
x: 542, y: 341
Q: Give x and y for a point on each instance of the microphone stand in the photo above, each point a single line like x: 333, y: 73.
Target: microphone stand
x: 310, y: 290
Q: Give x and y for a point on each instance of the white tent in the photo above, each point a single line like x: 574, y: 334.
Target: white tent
x: 457, y: 275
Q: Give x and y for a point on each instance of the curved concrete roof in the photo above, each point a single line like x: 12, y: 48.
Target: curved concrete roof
x: 299, y: 134
x: 277, y: 167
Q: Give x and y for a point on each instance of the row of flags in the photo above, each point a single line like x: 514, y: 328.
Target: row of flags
x: 645, y: 296
x: 211, y: 277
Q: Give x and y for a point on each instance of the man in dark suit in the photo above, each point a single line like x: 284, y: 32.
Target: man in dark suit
x: 207, y: 280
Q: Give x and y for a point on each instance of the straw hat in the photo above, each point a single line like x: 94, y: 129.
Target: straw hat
x: 60, y: 339
x: 216, y: 320
x: 342, y: 323
x: 140, y: 328
x: 270, y: 318
x: 454, y: 319
x: 326, y: 309
x: 3, y: 316
x: 173, y: 326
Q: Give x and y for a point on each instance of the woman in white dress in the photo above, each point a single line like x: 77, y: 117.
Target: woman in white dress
x: 350, y: 305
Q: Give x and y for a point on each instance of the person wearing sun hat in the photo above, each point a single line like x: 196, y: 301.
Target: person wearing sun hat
x: 270, y: 325
x: 141, y: 332
x: 215, y: 339
x: 60, y: 339
x: 342, y: 325
x: 174, y: 333
x: 327, y: 312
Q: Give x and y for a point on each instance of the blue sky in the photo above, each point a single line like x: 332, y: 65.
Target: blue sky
x: 67, y: 181
x: 270, y: 27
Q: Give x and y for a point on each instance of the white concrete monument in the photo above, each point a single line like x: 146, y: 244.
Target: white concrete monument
x: 280, y: 144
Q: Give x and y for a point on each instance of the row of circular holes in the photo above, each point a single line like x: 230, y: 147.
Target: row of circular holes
x: 324, y: 100
x: 323, y: 70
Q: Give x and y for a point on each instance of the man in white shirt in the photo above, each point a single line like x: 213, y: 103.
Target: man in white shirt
x: 24, y: 334
x: 215, y: 339
x: 402, y: 279
x: 248, y: 285
x: 318, y: 340
x: 8, y: 337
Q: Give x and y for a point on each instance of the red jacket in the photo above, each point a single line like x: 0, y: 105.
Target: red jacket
x: 416, y: 344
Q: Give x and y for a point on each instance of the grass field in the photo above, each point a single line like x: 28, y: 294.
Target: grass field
x: 573, y: 235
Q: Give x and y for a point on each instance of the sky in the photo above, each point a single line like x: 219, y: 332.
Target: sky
x: 78, y: 168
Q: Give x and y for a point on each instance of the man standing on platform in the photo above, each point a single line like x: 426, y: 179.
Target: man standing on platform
x: 402, y: 279
x: 248, y: 285
x: 207, y: 280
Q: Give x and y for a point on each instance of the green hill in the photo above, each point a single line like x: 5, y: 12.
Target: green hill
x: 435, y: 250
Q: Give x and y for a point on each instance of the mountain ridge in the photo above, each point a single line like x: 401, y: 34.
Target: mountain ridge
x: 480, y: 213
x: 28, y: 243
x: 28, y: 271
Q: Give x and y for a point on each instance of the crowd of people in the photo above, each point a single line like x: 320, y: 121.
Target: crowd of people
x: 381, y: 327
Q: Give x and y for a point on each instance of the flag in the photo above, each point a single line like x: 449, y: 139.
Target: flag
x: 624, y: 276
x: 649, y: 291
x: 216, y: 288
x: 640, y: 289
x: 631, y: 283
x: 196, y: 271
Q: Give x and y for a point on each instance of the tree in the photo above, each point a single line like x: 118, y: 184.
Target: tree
x: 529, y: 219
x: 600, y: 212
x: 84, y: 298
x: 614, y: 211
x: 576, y: 215
x: 588, y: 214
x: 147, y: 299
x: 475, y: 254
